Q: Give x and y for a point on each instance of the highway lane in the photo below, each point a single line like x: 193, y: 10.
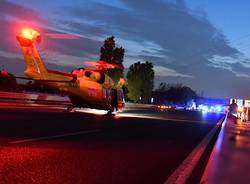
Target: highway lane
x: 44, y: 146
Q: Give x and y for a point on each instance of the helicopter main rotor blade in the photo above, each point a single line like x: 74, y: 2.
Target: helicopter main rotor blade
x: 63, y: 36
x: 102, y: 65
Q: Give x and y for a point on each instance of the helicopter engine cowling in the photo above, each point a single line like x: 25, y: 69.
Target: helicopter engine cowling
x: 96, y: 76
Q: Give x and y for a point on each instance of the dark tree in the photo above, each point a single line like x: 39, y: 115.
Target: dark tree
x: 114, y: 55
x: 140, y: 81
x: 107, y: 49
x: 134, y: 82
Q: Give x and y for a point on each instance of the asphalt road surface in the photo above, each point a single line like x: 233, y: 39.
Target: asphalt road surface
x: 140, y: 145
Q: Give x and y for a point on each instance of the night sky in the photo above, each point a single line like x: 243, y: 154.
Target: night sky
x: 202, y: 44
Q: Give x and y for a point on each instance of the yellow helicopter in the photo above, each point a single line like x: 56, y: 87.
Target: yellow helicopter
x: 86, y: 88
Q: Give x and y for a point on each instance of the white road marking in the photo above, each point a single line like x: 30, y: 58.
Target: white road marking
x: 55, y: 136
x: 184, y: 171
x: 158, y: 118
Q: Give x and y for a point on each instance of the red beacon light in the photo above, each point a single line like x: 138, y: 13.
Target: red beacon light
x: 29, y: 33
x: 28, y: 36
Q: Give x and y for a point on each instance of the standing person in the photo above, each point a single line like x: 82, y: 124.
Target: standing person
x: 114, y: 99
x: 233, y: 107
x: 233, y: 110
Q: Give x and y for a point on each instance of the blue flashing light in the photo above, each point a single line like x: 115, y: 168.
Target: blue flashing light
x: 204, y: 108
x: 218, y: 108
x: 215, y: 108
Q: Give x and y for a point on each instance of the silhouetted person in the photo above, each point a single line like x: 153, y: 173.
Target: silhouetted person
x: 233, y: 107
x: 233, y: 110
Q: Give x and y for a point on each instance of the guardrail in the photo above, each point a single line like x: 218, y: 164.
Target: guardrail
x: 34, y: 97
x: 136, y: 105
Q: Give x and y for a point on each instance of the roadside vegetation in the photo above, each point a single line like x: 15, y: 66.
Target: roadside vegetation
x: 174, y: 94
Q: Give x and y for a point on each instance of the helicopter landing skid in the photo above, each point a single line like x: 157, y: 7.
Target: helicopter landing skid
x: 70, y: 108
x: 111, y: 113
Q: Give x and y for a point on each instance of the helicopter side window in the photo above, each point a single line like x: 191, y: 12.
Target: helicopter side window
x: 87, y: 73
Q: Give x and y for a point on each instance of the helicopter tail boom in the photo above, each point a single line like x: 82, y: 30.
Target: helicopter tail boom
x: 35, y: 67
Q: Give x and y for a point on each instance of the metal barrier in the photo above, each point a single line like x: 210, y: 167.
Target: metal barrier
x: 34, y: 97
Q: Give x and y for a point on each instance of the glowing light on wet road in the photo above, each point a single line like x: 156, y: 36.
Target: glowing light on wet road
x: 92, y: 111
